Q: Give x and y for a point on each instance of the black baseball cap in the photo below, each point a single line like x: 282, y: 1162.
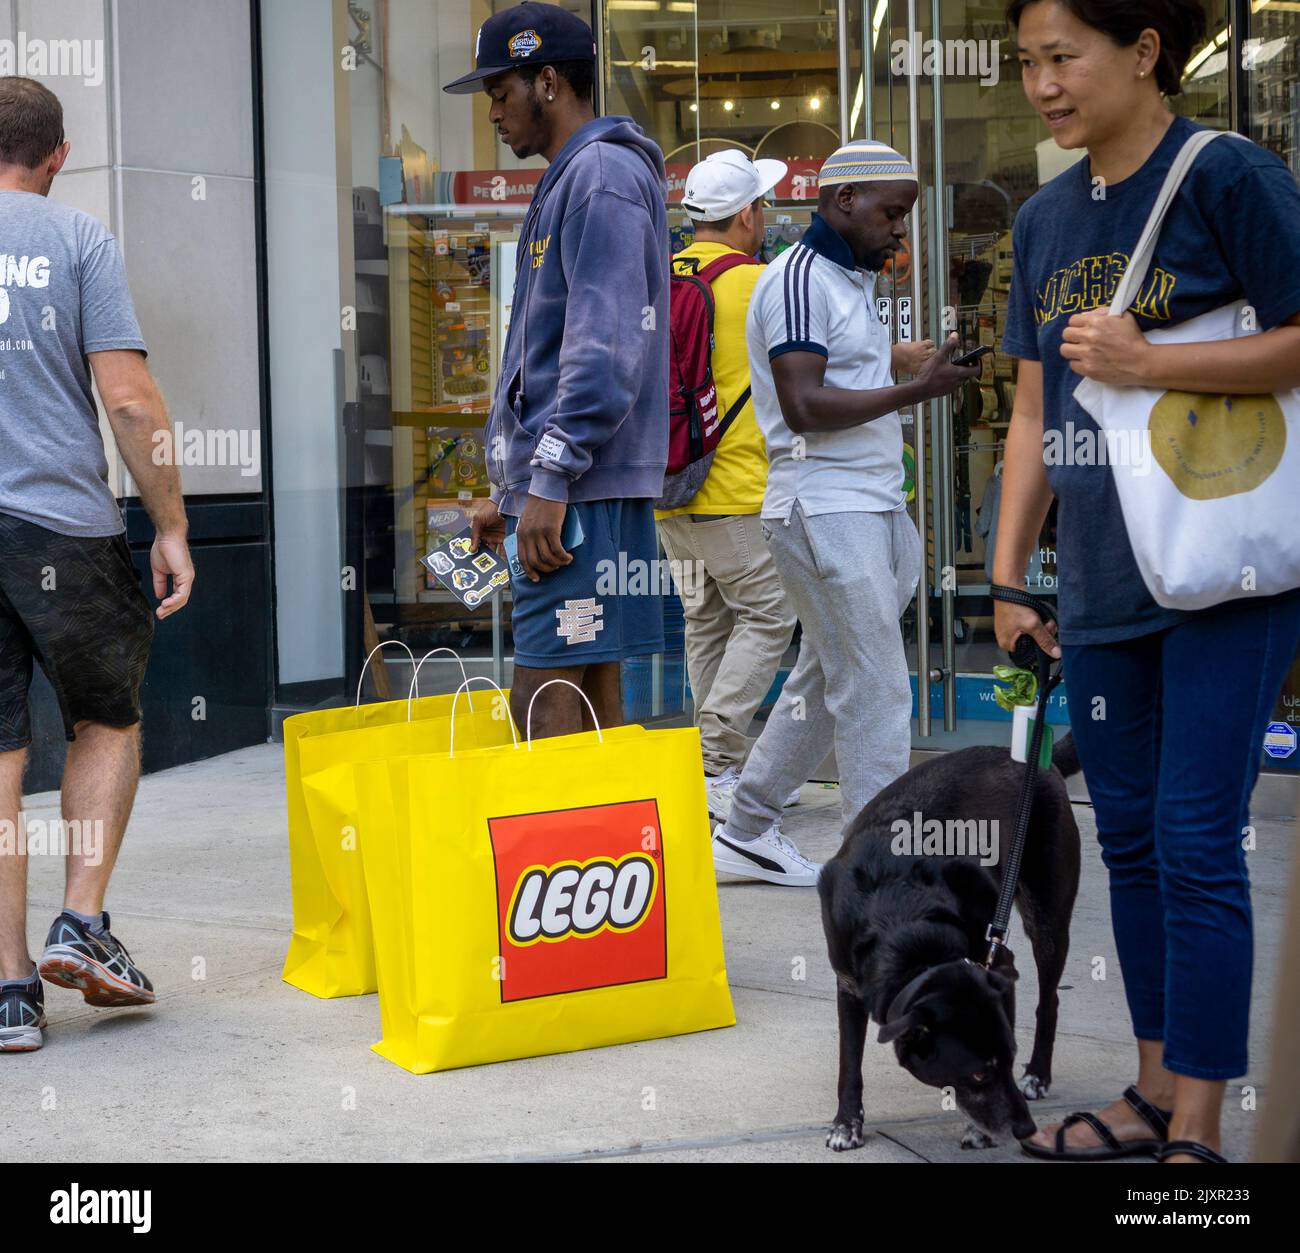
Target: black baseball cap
x: 540, y: 34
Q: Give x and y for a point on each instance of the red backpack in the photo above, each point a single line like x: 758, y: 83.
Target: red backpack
x: 695, y: 428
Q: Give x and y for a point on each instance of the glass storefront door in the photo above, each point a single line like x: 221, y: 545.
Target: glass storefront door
x: 428, y: 210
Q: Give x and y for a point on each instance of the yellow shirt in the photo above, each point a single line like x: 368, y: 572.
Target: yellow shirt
x: 738, y: 475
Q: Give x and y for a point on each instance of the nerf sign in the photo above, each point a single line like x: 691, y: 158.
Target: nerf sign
x: 580, y: 899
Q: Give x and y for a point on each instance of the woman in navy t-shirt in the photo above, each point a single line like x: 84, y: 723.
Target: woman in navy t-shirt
x: 1168, y: 707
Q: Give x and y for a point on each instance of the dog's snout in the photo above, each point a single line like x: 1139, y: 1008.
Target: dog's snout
x: 1022, y: 1127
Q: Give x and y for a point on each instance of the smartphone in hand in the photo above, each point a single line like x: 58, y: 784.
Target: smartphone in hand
x: 970, y: 358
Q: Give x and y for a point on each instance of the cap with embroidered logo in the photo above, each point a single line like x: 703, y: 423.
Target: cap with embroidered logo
x: 528, y: 34
x: 865, y: 161
x: 725, y: 182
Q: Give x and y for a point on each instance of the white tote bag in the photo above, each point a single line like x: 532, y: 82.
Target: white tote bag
x: 1209, y: 485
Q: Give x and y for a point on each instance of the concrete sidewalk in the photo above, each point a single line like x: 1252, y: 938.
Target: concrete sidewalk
x: 237, y: 1065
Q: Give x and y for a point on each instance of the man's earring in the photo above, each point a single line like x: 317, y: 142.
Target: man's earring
x: 550, y: 97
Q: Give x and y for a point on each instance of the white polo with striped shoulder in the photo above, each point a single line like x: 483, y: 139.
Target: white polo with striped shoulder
x: 813, y: 298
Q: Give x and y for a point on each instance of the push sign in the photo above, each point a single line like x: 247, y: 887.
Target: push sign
x: 904, y: 319
x: 1280, y: 739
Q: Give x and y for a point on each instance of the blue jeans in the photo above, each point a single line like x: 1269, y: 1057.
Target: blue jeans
x: 1170, y: 767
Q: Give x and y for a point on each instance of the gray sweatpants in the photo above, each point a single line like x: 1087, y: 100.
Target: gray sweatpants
x: 849, y: 576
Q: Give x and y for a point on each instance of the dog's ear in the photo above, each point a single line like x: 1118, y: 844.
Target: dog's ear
x: 909, y: 1027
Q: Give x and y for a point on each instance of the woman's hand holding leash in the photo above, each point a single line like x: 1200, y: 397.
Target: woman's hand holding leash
x: 1011, y: 621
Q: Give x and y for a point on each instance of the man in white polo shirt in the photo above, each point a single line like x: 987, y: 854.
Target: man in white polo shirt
x: 834, y: 512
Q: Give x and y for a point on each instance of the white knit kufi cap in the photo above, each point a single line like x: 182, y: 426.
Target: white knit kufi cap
x: 865, y: 161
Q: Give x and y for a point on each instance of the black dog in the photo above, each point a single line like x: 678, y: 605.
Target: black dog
x: 906, y: 935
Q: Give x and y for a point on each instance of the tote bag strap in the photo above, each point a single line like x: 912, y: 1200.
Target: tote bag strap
x: 1133, y: 278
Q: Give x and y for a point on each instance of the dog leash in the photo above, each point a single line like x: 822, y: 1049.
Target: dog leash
x: 1025, y: 652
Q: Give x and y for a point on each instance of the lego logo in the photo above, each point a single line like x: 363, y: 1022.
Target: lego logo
x: 582, y: 899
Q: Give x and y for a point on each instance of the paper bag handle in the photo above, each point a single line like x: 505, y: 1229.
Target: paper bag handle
x: 366, y: 665
x: 600, y: 738
x: 415, y: 678
x: 477, y: 678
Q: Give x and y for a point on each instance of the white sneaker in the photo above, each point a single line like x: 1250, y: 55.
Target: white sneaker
x: 770, y: 857
x: 719, y: 790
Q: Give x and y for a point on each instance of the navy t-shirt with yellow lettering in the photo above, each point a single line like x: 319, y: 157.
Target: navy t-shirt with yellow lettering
x: 1232, y: 233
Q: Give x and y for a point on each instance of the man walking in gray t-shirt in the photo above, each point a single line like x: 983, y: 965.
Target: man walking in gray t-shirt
x: 70, y: 597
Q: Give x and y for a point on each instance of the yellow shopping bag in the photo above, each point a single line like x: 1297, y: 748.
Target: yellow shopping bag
x: 541, y: 898
x: 332, y: 952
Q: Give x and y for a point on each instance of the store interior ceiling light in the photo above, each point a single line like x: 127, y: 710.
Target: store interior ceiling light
x: 858, y: 99
x: 776, y: 104
x: 815, y: 103
x: 728, y: 105
x: 1212, y: 65
x: 1217, y: 42
x: 859, y: 96
x: 634, y: 6
x: 877, y: 21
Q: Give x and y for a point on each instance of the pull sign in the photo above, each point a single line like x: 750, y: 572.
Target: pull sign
x: 904, y: 319
x: 883, y: 310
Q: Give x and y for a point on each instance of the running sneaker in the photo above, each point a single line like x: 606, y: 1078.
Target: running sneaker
x: 719, y: 790
x: 94, y: 963
x: 22, y: 1017
x: 770, y: 857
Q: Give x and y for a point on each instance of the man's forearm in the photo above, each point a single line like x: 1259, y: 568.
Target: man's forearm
x: 150, y: 458
x: 837, y: 409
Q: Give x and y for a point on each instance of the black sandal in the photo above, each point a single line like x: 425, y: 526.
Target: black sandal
x: 1111, y: 1146
x: 1193, y: 1148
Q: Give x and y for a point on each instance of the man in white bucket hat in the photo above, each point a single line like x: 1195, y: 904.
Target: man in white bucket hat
x: 738, y: 621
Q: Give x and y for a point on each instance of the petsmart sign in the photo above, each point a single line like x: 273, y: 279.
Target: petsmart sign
x: 1280, y: 740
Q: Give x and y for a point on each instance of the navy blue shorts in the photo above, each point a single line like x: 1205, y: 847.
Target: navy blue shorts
x: 606, y: 604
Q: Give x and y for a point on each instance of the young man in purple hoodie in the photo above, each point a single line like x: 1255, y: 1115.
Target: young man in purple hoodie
x: 578, y: 435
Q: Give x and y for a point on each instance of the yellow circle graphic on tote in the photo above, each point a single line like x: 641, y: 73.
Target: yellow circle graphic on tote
x: 1216, y: 446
